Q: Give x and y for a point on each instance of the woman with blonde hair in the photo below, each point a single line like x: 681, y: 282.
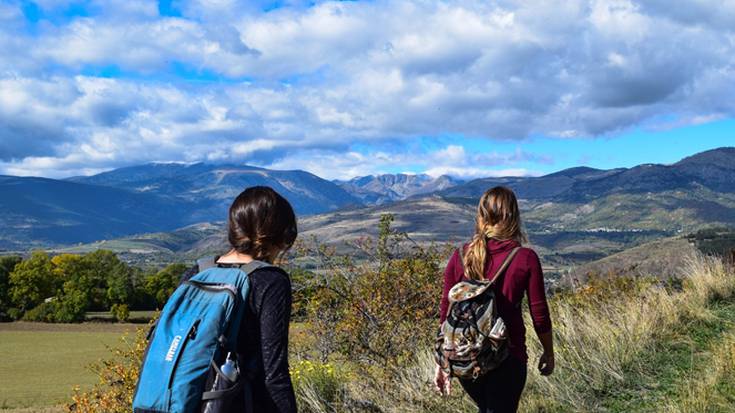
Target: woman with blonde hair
x: 498, y: 233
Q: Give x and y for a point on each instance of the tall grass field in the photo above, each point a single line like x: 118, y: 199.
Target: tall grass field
x: 621, y: 346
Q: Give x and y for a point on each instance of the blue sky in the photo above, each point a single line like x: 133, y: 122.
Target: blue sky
x: 343, y: 89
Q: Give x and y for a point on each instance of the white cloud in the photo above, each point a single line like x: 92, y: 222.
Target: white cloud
x: 451, y: 160
x: 471, y: 172
x: 321, y: 78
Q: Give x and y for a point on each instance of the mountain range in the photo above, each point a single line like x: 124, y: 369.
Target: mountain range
x: 713, y: 170
x: 694, y: 192
x: 203, y: 192
x: 37, y: 212
x: 574, y: 214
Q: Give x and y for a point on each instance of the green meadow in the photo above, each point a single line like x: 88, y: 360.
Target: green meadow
x: 41, y: 363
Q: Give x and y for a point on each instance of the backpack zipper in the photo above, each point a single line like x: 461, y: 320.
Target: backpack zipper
x: 214, y: 287
x: 190, y: 335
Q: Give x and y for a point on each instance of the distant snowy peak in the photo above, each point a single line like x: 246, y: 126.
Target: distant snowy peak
x: 381, y: 189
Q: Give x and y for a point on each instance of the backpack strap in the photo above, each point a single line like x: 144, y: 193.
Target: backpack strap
x: 502, y: 268
x: 206, y: 262
x: 255, y: 265
x: 505, y: 264
x: 211, y: 262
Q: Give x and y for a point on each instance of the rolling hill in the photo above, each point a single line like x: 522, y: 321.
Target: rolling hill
x: 621, y: 208
x: 695, y: 192
x: 160, y: 248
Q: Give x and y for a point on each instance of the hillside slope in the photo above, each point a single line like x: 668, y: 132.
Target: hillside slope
x: 712, y: 170
x: 39, y: 211
x: 148, y: 198
x: 210, y: 189
x: 663, y: 258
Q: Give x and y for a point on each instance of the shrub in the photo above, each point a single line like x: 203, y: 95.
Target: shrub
x: 44, y: 312
x: 121, y: 312
x: 15, y: 313
x: 7, y: 265
x: 72, y: 306
x: 318, y: 386
x: 303, y: 292
x: 377, y: 311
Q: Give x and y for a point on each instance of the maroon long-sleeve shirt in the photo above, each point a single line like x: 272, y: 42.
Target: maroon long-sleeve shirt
x: 523, y: 276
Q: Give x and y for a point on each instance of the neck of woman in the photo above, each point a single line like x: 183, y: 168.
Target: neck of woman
x: 234, y: 257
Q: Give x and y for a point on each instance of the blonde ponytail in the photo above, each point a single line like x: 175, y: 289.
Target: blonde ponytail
x: 497, y: 217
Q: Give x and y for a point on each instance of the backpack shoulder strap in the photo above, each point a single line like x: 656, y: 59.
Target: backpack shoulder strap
x: 206, y: 262
x: 211, y: 262
x: 505, y: 264
x: 256, y: 265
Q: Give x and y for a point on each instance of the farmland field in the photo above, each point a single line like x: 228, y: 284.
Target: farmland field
x: 42, y: 362
x: 52, y: 358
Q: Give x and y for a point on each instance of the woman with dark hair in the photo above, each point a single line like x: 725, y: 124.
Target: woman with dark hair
x: 262, y: 226
x: 498, y: 233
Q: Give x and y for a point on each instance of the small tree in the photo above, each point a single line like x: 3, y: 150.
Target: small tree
x: 7, y: 265
x: 75, y: 296
x: 32, y: 281
x: 120, y: 285
x: 163, y: 283
x: 121, y: 312
x: 105, y: 268
x: 380, y: 308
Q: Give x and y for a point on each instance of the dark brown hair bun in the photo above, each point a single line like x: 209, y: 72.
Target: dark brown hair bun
x: 261, y: 223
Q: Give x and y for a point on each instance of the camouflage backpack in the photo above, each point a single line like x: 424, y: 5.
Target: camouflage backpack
x: 473, y: 339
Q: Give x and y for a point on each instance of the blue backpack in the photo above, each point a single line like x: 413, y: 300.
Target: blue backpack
x: 196, y: 331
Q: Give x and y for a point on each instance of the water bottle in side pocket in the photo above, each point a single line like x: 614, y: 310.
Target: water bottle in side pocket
x: 225, y: 378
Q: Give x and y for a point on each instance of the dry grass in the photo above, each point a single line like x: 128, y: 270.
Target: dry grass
x: 714, y: 391
x: 597, y: 347
x: 598, y: 344
x: 51, y: 409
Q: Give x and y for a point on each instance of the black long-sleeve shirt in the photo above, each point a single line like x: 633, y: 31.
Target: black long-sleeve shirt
x: 264, y: 337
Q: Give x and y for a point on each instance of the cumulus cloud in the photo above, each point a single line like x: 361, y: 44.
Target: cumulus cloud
x: 226, y: 81
x: 451, y: 160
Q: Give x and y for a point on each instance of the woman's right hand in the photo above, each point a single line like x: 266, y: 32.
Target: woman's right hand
x: 442, y: 382
x: 546, y: 361
x: 546, y: 364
